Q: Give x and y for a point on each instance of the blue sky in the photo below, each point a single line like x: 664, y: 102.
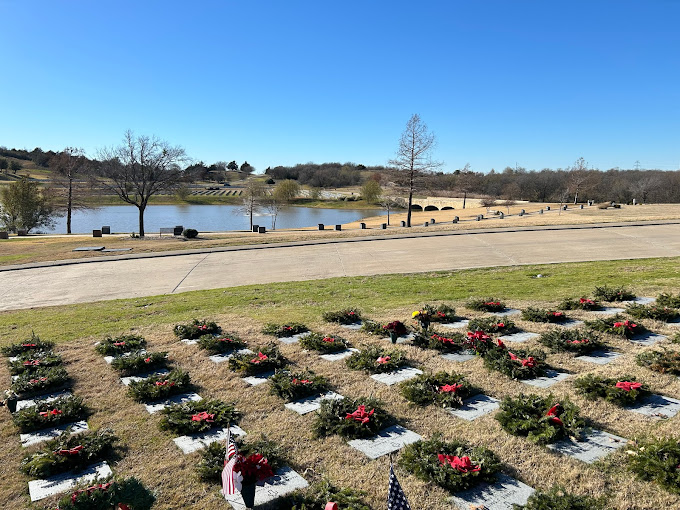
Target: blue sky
x: 500, y: 83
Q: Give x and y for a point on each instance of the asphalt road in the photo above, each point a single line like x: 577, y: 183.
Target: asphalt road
x: 126, y: 278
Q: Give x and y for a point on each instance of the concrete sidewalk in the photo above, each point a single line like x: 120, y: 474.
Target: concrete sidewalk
x: 134, y: 276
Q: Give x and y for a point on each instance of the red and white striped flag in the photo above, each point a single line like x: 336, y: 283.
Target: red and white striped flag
x: 229, y: 485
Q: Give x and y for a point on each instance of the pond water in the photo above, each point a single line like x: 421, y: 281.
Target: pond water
x: 204, y: 218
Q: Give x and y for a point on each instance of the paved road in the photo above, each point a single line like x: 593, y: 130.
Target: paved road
x: 95, y: 281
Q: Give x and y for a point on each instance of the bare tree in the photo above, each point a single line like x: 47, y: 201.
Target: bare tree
x: 414, y: 156
x: 273, y: 206
x: 578, y: 175
x: 508, y: 203
x: 252, y: 196
x: 389, y: 203
x: 487, y: 202
x: 69, y: 188
x: 139, y: 168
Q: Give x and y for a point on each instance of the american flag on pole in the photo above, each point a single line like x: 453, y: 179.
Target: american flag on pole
x: 228, y: 485
x: 396, y: 499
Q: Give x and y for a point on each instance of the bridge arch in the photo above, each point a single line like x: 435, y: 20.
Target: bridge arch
x: 416, y: 207
x: 431, y: 208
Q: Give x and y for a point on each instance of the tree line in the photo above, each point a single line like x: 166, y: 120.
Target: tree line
x: 324, y: 175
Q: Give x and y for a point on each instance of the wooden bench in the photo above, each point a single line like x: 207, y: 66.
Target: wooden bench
x: 167, y: 230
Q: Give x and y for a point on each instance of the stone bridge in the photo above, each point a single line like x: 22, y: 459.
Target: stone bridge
x: 438, y: 203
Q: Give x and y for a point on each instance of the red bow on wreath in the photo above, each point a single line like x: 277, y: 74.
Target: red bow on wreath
x: 552, y: 414
x: 53, y: 412
x: 627, y: 386
x: 203, y: 416
x: 360, y: 415
x: 32, y: 362
x: 73, y: 451
x: 461, y: 464
x: 260, y: 357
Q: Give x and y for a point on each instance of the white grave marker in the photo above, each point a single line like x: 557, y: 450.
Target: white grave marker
x: 387, y: 441
x: 195, y: 442
x: 41, y: 489
x: 284, y: 482
x: 39, y: 436
x: 403, y: 374
x: 176, y: 399
x: 498, y: 496
x: 309, y: 404
x: 474, y: 407
x: 597, y: 444
x: 336, y: 356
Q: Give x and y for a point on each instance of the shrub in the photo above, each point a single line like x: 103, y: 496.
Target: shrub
x: 372, y: 328
x: 30, y: 345
x: 486, y: 305
x: 324, y: 343
x: 196, y: 329
x: 267, y: 358
x: 284, y: 330
x: 212, y: 458
x: 139, y: 362
x: 450, y: 342
x: 65, y: 409
x: 120, y: 344
x: 664, y: 362
x: 541, y: 315
x: 345, y: 316
x: 32, y: 360
x: 351, y: 418
x: 668, y: 300
x: 320, y: 493
x: 68, y: 452
x: 454, y: 466
x: 292, y: 386
x: 557, y: 498
x: 621, y: 391
x: 492, y: 324
x: 657, y: 460
x: 443, y: 389
x: 193, y: 417
x: 518, y: 363
x: 654, y: 312
x: 582, y: 303
x: 571, y: 340
x: 541, y: 419
x: 159, y: 386
x: 375, y: 359
x: 616, y: 325
x: 104, y: 496
x: 40, y: 380
x: 606, y: 293
x: 190, y: 233
x: 225, y: 342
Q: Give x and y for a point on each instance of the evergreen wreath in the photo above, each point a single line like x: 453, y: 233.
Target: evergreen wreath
x: 324, y: 343
x: 668, y: 300
x: 611, y: 294
x: 120, y: 345
x: 344, y: 316
x: 226, y: 342
x: 284, y: 330
x: 445, y: 342
x: 41, y: 380
x: 616, y: 325
x: 534, y: 314
x: 664, y: 362
x: 319, y: 494
x: 557, y: 498
x: 68, y: 452
x: 657, y: 460
x: 44, y: 414
x: 579, y: 341
x: 292, y: 386
x: 622, y: 391
x: 541, y: 419
x: 351, y: 418
x: 32, y: 360
x: 377, y: 360
x: 266, y: 359
x: 193, y: 417
x: 139, y: 362
x: 196, y: 329
x: 159, y: 386
x: 104, y: 496
x: 372, y: 328
x: 486, y: 305
x: 443, y: 389
x: 454, y: 466
x: 582, y: 303
x: 493, y: 324
x: 32, y: 344
x: 440, y: 313
x: 654, y: 312
x: 515, y: 363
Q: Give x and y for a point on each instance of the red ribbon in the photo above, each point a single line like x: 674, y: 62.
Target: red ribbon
x: 382, y: 360
x: 627, y: 386
x: 90, y: 490
x: 588, y: 301
x: 36, y: 381
x: 360, y: 415
x: 119, y: 344
x: 301, y: 381
x: 328, y: 340
x: 443, y: 339
x: 203, y: 416
x: 165, y: 383
x: 461, y: 464
x: 584, y: 341
x: 260, y: 357
x: 73, y: 451
x: 501, y: 344
x: 53, y: 412
x: 202, y: 328
x: 627, y: 324
x: 497, y: 303
x: 32, y: 362
x: 450, y: 388
x: 557, y: 314
x: 29, y: 345
x: 478, y: 335
x: 552, y: 414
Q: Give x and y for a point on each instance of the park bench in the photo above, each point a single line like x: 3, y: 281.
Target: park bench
x: 175, y: 231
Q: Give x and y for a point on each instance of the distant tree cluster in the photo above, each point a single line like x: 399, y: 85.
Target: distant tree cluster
x: 37, y: 155
x: 325, y: 175
x: 218, y: 171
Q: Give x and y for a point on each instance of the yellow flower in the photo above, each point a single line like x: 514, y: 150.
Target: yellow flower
x: 416, y: 313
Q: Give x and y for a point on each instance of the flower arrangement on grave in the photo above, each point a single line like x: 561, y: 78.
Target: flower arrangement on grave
x: 32, y: 360
x: 534, y: 314
x: 284, y: 330
x: 372, y: 328
x: 319, y: 494
x: 422, y: 317
x: 324, y: 343
x: 558, y: 497
x: 617, y: 325
x: 664, y: 362
x: 266, y: 359
x: 68, y: 452
x: 139, y: 362
x: 193, y: 417
x: 622, y: 391
x: 515, y: 363
x: 492, y: 324
x: 344, y: 316
x: 656, y: 460
x: 454, y: 465
x: 44, y: 414
x: 611, y: 294
x: 292, y: 386
x: 218, y: 344
x: 443, y: 389
x: 440, y: 313
x: 654, y: 312
x: 579, y: 341
x: 668, y: 300
x: 128, y: 493
x: 486, y: 305
x: 40, y: 380
x: 196, y: 329
x: 478, y: 341
x: 582, y: 303
x: 120, y: 345
x: 351, y: 418
x: 395, y: 329
x: 159, y: 386
x: 212, y: 458
x: 448, y: 342
x: 542, y: 420
x: 32, y: 344
x: 377, y: 360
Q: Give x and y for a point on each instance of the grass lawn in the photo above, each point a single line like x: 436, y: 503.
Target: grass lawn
x: 152, y: 456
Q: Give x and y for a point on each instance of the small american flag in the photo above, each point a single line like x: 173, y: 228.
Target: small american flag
x: 228, y: 485
x: 396, y: 499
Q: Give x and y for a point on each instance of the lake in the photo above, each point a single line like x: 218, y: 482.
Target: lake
x: 204, y: 218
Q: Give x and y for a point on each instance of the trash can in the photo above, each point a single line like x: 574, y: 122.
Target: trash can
x: 96, y: 233
x: 106, y: 229
x: 320, y: 226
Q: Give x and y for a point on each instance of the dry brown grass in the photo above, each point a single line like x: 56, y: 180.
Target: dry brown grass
x: 152, y: 456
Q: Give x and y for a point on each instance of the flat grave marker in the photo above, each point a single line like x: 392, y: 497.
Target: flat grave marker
x: 607, y: 310
x: 312, y: 403
x: 459, y: 324
x: 283, y: 482
x: 48, y: 397
x: 552, y: 377
x: 337, y: 356
x: 596, y: 445
x: 403, y: 374
x: 497, y: 496
x: 599, y: 357
x: 195, y: 442
x: 256, y: 380
x: 401, y: 339
x: 505, y: 313
x: 354, y: 327
x: 41, y: 489
x: 176, y: 399
x: 641, y: 301
x: 109, y: 359
x: 127, y: 380
x: 189, y: 341
x: 522, y: 336
x: 571, y: 323
x: 388, y: 440
x: 474, y: 407
x: 648, y: 338
x: 656, y: 406
x: 39, y: 436
x: 293, y: 339
x: 459, y: 357
x: 221, y: 358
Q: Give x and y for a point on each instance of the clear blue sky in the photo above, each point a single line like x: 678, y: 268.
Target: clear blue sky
x: 535, y: 83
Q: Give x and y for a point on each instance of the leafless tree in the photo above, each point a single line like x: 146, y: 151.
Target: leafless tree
x: 273, y: 206
x: 139, y: 168
x: 508, y: 203
x: 413, y: 156
x: 578, y: 176
x: 487, y: 202
x: 252, y: 198
x: 68, y: 185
